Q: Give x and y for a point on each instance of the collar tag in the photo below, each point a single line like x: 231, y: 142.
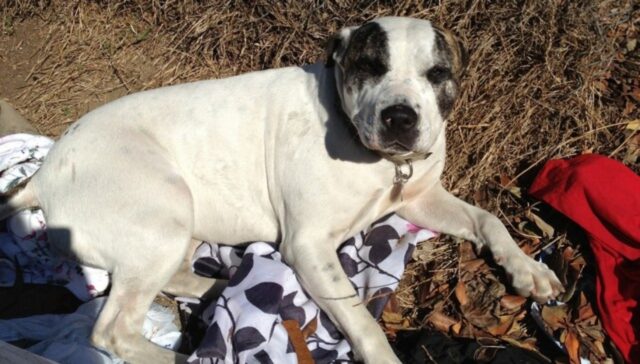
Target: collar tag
x: 401, y: 178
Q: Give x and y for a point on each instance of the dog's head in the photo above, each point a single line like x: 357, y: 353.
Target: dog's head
x: 397, y: 79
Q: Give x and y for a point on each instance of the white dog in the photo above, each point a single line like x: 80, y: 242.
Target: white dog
x: 305, y: 156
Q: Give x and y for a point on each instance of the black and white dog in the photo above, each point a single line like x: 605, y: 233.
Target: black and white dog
x: 306, y: 156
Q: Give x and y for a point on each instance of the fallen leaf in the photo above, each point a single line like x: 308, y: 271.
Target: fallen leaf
x: 481, y: 196
x: 505, y: 180
x: 503, y: 326
x: 461, y: 293
x: 455, y: 328
x: 512, y: 302
x: 441, y: 322
x: 633, y: 150
x: 472, y: 266
x: 585, y: 313
x: 572, y: 345
x: 466, y: 251
x: 392, y: 318
x: 392, y: 303
x: 547, y: 230
x: 634, y: 125
x: 524, y: 343
x: 509, y: 184
x: 628, y: 108
x: 601, y: 85
x: 555, y: 316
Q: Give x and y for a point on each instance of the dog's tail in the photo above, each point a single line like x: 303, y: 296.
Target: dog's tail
x: 22, y: 198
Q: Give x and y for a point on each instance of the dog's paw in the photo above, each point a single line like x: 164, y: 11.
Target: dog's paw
x: 534, y: 279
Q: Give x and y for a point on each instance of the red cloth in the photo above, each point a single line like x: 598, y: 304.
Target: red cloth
x: 603, y: 197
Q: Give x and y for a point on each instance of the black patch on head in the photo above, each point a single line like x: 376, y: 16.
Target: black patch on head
x: 438, y: 74
x: 446, y: 98
x: 442, y: 77
x: 367, y: 56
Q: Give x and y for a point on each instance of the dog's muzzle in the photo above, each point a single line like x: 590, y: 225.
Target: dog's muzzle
x: 399, y: 130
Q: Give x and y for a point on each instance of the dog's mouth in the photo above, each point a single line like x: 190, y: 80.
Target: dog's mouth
x: 397, y: 147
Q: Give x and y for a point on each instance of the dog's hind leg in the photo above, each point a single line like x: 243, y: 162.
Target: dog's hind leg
x: 187, y: 284
x: 131, y: 214
x: 133, y: 288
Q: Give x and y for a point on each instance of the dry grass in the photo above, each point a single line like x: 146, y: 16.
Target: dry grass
x: 534, y: 88
x: 546, y: 78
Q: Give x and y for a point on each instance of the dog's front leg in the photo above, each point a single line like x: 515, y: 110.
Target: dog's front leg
x: 437, y: 209
x: 316, y: 264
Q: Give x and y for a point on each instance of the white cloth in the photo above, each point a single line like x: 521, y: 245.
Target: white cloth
x: 20, y: 157
x: 24, y: 245
x: 65, y: 338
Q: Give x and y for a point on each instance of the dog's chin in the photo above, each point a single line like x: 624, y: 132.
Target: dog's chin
x: 393, y: 151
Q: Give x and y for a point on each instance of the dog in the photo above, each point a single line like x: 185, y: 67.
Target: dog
x: 304, y: 156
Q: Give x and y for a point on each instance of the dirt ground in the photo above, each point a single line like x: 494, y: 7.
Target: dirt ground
x: 545, y: 80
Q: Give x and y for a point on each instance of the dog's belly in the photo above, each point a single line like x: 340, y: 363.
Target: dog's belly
x: 231, y: 210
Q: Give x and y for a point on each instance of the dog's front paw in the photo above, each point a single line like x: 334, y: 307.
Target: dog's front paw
x: 534, y: 279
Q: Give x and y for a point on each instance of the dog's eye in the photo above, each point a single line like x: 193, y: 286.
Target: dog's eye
x: 371, y: 66
x: 438, y: 74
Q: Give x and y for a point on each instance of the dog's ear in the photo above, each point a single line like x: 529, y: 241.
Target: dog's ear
x: 337, y: 46
x: 457, y: 50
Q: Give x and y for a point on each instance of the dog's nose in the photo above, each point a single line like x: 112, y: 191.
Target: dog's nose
x: 399, y: 117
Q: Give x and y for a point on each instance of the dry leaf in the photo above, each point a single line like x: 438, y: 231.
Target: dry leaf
x: 472, y: 266
x: 392, y: 318
x: 555, y: 316
x: 461, y: 293
x: 505, y: 180
x: 572, y: 345
x: 455, y: 328
x: 547, y: 230
x: 441, y: 321
x: 634, y: 125
x: 628, y: 108
x: 481, y: 196
x: 512, y: 302
x: 524, y: 343
x: 585, y: 313
x: 504, y: 324
x: 509, y: 185
x: 633, y: 150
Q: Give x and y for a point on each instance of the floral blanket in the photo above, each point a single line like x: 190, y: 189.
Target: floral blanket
x: 264, y: 309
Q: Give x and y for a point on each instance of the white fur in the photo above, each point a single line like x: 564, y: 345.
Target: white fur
x: 263, y: 156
